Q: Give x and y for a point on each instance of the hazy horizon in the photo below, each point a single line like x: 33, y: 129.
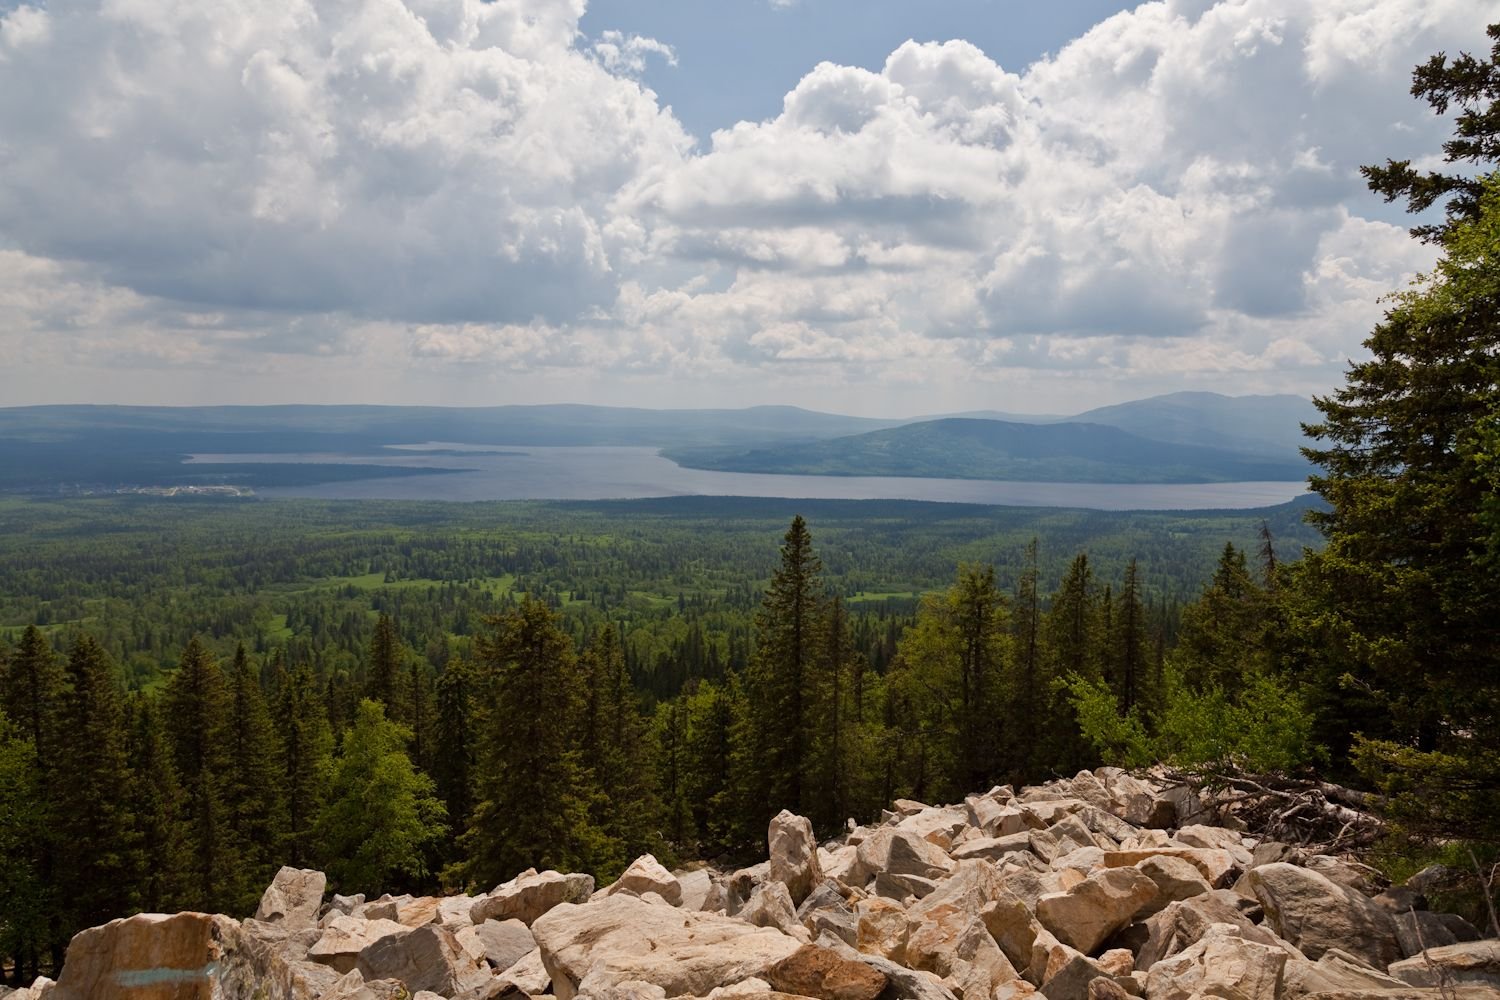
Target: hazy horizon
x: 867, y: 208
x: 873, y: 414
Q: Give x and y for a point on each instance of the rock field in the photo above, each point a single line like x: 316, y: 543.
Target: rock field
x: 1100, y: 887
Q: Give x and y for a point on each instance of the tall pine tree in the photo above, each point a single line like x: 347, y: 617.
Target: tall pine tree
x: 617, y: 748
x: 198, y: 703
x: 789, y: 629
x: 97, y: 852
x: 253, y: 792
x: 533, y: 789
x: 453, y: 755
x: 159, y: 807
x: 306, y: 758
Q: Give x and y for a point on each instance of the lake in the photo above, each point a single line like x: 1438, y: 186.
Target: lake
x: 614, y: 473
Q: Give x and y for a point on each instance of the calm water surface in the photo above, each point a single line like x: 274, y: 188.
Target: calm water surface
x: 526, y: 473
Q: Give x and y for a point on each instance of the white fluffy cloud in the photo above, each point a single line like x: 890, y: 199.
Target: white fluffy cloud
x: 468, y: 189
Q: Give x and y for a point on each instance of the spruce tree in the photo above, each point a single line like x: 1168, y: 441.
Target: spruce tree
x: 1396, y: 613
x: 617, y: 746
x: 160, y: 808
x: 253, y: 793
x: 533, y: 790
x: 97, y: 852
x: 306, y: 759
x: 453, y: 755
x: 385, y: 674
x: 24, y: 896
x: 707, y: 784
x: 1223, y: 633
x: 197, y: 701
x: 1069, y: 625
x: 34, y: 686
x: 834, y: 705
x: 978, y: 614
x: 948, y: 686
x: 675, y: 761
x: 1070, y: 632
x: 1470, y: 84
x: 1026, y: 629
x: 789, y: 628
x: 1128, y: 645
x: 420, y: 712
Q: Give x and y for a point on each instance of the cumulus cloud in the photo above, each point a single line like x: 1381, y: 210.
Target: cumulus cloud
x: 477, y: 187
x: 429, y: 160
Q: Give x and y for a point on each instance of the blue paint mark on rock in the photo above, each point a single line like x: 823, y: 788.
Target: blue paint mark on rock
x: 159, y: 977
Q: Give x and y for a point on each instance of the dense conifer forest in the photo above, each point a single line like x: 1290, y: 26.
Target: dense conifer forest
x: 422, y: 696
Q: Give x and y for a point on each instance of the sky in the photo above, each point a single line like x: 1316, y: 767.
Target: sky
x: 883, y: 207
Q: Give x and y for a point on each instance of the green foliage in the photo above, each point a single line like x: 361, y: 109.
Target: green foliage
x: 385, y: 674
x: 618, y: 753
x: 949, y: 687
x: 1472, y: 85
x: 534, y: 792
x: 1395, y: 616
x: 306, y: 758
x: 95, y: 875
x: 1265, y: 728
x: 1122, y: 740
x: 778, y: 686
x: 253, y: 789
x: 160, y: 809
x: 24, y: 895
x: 197, y: 701
x: 453, y: 755
x: 382, y: 814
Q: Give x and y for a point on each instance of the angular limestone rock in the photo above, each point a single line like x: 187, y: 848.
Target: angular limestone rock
x: 1469, y: 963
x: 813, y: 971
x: 1217, y: 867
x: 1182, y: 924
x: 505, y: 942
x: 1061, y: 838
x: 937, y: 826
x: 882, y: 928
x: 794, y: 855
x: 898, y: 852
x: 646, y: 874
x: 770, y: 905
x: 1094, y: 909
x: 531, y: 894
x: 345, y: 937
x: 1222, y: 964
x: 294, y: 898
x: 700, y: 890
x: 1176, y: 879
x: 427, y: 958
x: 453, y: 911
x: 1316, y: 914
x: 992, y: 848
x: 621, y: 938
x: 1335, y: 971
x: 182, y: 954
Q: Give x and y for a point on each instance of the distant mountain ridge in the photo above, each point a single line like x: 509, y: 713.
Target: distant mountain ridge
x: 1266, y: 425
x: 966, y: 448
x: 1245, y: 437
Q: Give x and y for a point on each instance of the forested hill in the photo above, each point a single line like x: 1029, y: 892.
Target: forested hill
x: 961, y: 448
x: 1262, y: 425
x: 44, y: 447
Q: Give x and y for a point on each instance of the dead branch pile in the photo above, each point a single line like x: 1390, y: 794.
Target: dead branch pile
x: 1319, y: 816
